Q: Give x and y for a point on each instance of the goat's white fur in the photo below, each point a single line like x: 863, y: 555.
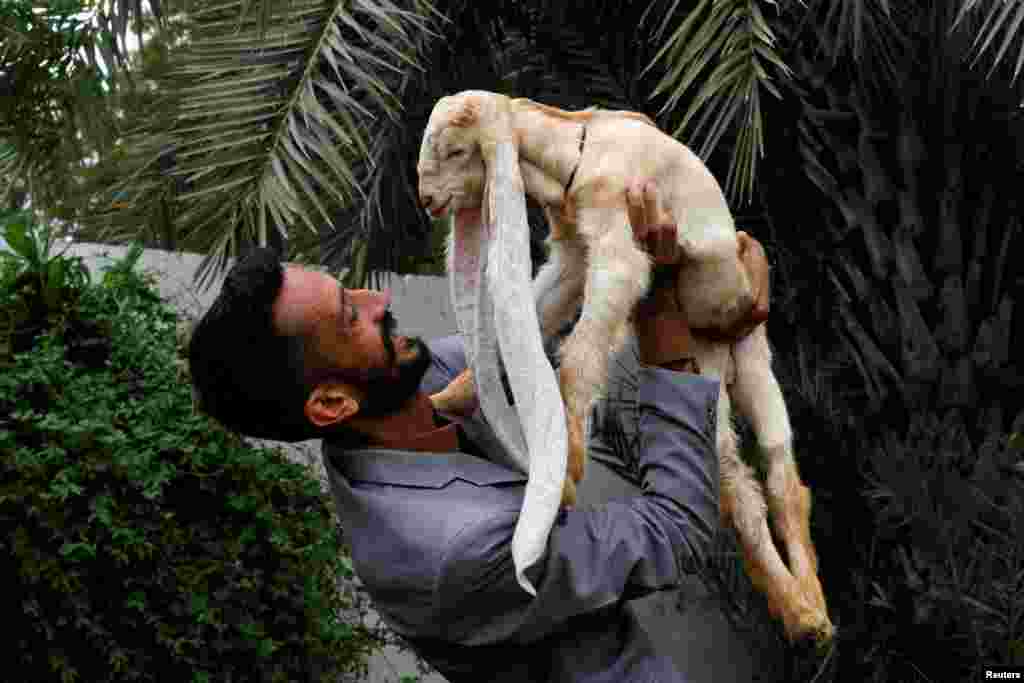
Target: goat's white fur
x: 593, y: 257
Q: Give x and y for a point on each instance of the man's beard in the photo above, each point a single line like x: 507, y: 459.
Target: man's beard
x: 386, y: 394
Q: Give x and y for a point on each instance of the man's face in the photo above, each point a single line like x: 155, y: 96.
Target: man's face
x: 351, y: 332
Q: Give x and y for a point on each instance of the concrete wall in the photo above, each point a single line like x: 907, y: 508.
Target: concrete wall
x: 699, y: 638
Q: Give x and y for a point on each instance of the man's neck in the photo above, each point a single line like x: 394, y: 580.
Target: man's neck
x: 411, y: 428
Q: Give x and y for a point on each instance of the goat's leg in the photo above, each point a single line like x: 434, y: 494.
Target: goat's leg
x: 758, y: 397
x: 743, y: 507
x: 557, y: 291
x: 558, y: 287
x: 459, y: 397
x: 618, y: 273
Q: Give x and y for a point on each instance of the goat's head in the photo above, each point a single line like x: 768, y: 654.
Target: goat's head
x: 451, y: 167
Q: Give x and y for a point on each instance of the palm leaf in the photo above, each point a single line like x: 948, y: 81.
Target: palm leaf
x: 274, y: 106
x: 1002, y: 19
x: 729, y: 48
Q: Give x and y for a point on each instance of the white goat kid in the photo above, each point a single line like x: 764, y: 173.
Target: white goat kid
x: 577, y: 166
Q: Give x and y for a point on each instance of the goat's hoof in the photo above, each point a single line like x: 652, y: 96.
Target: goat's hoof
x: 569, y: 493
x: 446, y: 402
x: 577, y: 451
x: 814, y: 632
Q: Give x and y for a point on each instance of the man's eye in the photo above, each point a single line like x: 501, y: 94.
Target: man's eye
x: 355, y: 315
x: 455, y: 153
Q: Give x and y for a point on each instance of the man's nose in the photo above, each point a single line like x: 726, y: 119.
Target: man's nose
x: 373, y: 302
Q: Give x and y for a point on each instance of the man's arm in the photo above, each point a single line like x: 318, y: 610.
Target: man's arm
x: 598, y: 555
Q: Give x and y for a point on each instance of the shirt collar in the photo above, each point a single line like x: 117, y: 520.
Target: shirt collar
x: 438, y: 440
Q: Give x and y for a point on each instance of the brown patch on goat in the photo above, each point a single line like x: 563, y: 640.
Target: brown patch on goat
x: 468, y: 116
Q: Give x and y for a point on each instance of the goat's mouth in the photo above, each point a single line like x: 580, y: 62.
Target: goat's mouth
x: 440, y: 211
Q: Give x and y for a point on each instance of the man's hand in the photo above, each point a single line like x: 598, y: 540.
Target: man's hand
x: 655, y: 229
x: 662, y: 331
x: 754, y: 260
x: 653, y: 225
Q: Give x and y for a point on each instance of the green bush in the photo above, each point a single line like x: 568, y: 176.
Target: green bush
x: 144, y: 542
x: 38, y: 290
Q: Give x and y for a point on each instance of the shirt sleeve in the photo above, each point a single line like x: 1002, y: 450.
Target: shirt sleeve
x: 603, y: 554
x: 447, y: 360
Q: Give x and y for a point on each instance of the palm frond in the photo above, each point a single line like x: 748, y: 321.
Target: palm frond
x: 1001, y: 27
x: 385, y: 223
x: 728, y: 47
x: 117, y: 17
x: 273, y: 108
x: 54, y: 104
x: 869, y: 31
x: 549, y: 54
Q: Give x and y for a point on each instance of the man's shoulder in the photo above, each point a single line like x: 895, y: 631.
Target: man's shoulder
x: 405, y: 500
x: 412, y: 516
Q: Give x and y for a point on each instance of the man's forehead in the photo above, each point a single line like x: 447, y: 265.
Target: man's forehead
x: 306, y: 297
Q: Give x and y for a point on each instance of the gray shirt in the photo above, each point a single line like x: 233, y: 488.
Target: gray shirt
x: 431, y: 537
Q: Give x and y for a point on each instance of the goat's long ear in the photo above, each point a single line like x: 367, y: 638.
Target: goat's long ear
x: 487, y: 205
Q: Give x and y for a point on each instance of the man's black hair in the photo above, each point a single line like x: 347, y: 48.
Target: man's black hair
x: 246, y: 376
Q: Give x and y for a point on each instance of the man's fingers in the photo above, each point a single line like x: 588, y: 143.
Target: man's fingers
x: 759, y: 314
x: 752, y: 256
x: 635, y: 195
x: 652, y: 204
x: 653, y: 226
x: 667, y: 250
x: 635, y: 206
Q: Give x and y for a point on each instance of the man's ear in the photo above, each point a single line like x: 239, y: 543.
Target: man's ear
x: 331, y: 403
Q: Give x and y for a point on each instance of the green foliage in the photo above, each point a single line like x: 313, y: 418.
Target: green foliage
x: 54, y: 108
x: 1003, y: 21
x: 144, y: 541
x: 947, y: 579
x: 38, y: 289
x: 896, y: 304
x: 261, y: 142
x: 728, y: 48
